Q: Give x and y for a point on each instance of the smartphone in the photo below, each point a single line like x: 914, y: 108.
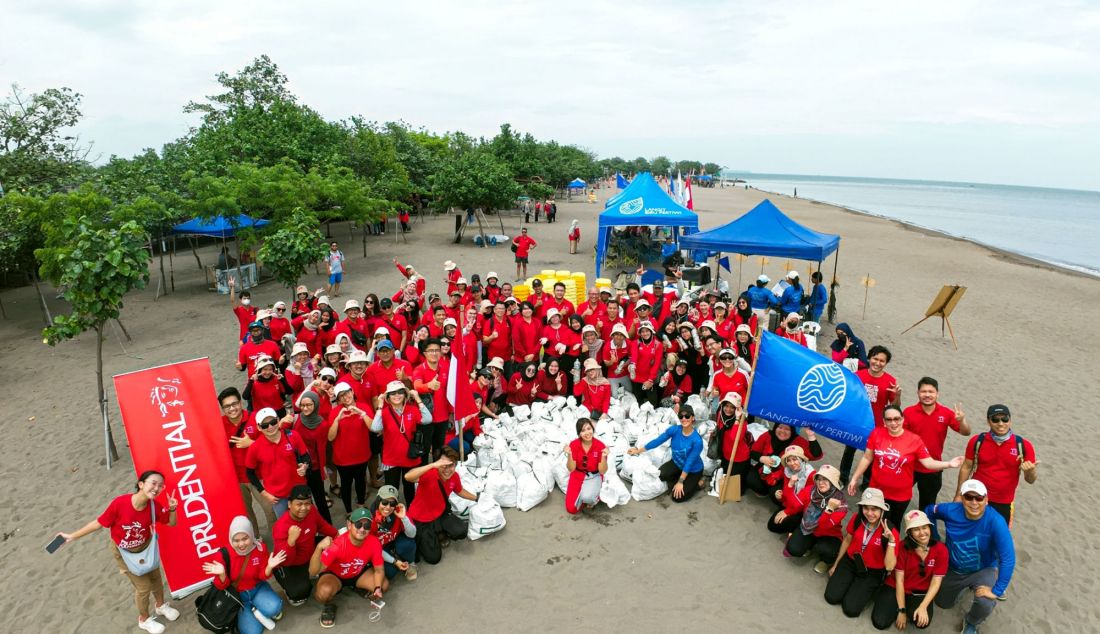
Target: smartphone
x: 55, y: 544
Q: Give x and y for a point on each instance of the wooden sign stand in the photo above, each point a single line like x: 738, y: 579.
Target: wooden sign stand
x: 942, y: 307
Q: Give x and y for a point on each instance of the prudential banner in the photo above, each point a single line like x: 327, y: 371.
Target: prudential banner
x: 798, y: 386
x: 174, y: 426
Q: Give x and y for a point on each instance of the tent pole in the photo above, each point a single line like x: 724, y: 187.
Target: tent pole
x: 831, y: 311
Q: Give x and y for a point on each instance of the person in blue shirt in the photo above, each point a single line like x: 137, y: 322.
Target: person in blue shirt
x: 791, y: 299
x: 760, y: 298
x: 684, y: 470
x: 982, y: 555
x: 819, y: 297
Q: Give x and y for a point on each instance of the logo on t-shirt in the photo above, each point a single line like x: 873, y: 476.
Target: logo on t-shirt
x: 890, y: 458
x: 872, y: 392
x: 822, y: 388
x: 351, y: 567
x: 133, y: 535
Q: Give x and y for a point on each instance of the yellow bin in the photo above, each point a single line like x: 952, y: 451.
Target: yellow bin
x: 563, y: 275
x: 547, y: 273
x: 521, y: 291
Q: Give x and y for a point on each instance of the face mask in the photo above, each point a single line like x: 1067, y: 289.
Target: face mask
x: 245, y: 301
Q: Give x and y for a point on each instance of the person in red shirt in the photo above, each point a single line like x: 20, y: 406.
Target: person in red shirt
x: 276, y: 462
x: 241, y: 432
x: 615, y: 357
x: 766, y: 478
x: 728, y: 424
x: 594, y: 391
x: 730, y: 379
x: 267, y: 388
x: 453, y: 273
x: 430, y: 381
x: 354, y: 324
x: 357, y: 377
x: 496, y: 334
x: 398, y: 414
x: 551, y: 382
x: 130, y: 518
x: 675, y: 384
x: 882, y: 390
x: 307, y: 329
x: 723, y: 324
x: 523, y: 386
x: 646, y: 360
x: 794, y: 492
x: 908, y: 594
x: 396, y: 324
x: 537, y: 297
x: 593, y: 311
x: 526, y: 332
x: 386, y: 368
x: 523, y: 243
x: 821, y: 527
x: 243, y: 309
x: 247, y: 566
x: 303, y: 303
x: 997, y: 458
x: 492, y: 288
x: 299, y: 533
x: 255, y: 347
x: 279, y: 325
x: 352, y: 560
x: 613, y: 317
x: 574, y: 236
x: 866, y: 556
x: 310, y: 424
x: 586, y: 459
x: 430, y: 511
x: 790, y: 329
x: 930, y: 420
x: 349, y: 434
x: 894, y: 452
x: 558, y: 302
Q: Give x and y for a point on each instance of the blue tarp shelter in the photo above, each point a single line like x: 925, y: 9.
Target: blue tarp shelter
x: 642, y: 203
x: 219, y: 227
x: 577, y: 183
x: 765, y: 230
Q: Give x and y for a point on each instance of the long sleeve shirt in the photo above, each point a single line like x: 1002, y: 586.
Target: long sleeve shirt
x: 686, y: 450
x: 976, y: 544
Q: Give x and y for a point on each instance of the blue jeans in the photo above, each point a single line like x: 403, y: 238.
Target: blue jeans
x: 264, y: 599
x: 816, y: 313
x: 405, y: 549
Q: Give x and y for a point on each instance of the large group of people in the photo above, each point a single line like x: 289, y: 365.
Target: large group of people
x: 342, y: 398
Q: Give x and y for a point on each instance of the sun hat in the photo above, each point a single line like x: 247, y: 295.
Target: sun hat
x: 916, y: 518
x: 496, y: 362
x: 873, y: 497
x: 973, y: 486
x: 279, y: 304
x: 591, y: 364
x: 491, y: 275
x: 486, y: 303
x: 262, y: 362
x: 647, y: 325
x: 299, y: 347
x: 333, y: 348
x: 733, y: 398
x: 395, y: 386
x: 743, y: 328
x: 795, y: 451
x: 589, y: 328
x: 830, y: 473
x: 461, y: 282
x: 263, y: 314
x: 351, y: 304
x: 382, y: 330
x: 449, y: 266
x: 709, y: 323
x: 357, y: 356
x: 553, y: 312
x: 621, y: 329
x: 340, y: 388
x: 301, y: 289
x: 323, y: 300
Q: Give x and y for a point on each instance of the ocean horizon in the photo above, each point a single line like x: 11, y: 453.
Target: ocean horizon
x: 1058, y: 226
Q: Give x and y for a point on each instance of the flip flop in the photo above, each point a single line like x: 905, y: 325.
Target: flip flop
x: 328, y: 615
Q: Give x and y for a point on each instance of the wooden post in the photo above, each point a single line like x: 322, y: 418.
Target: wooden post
x: 172, y: 265
x: 735, y: 495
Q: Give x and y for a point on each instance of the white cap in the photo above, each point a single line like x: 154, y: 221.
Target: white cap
x: 265, y: 414
x: 382, y: 330
x: 461, y: 280
x: 973, y: 486
x: 351, y: 303
x: 340, y: 388
x: 486, y: 303
x: 491, y: 274
x: 328, y: 372
x: 450, y: 321
x: 792, y: 274
x: 323, y: 299
x: 642, y: 302
x: 395, y: 386
x: 764, y: 278
x: 553, y: 312
x: 709, y: 323
x: 621, y: 329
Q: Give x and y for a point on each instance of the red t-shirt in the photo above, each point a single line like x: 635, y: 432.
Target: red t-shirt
x: 999, y: 466
x: 245, y: 315
x: 743, y: 447
x: 363, y: 387
x: 130, y: 528
x: 502, y: 345
x: 647, y: 358
x: 880, y: 391
x: 276, y: 463
x: 313, y: 528
x: 587, y: 461
x: 736, y: 383
x: 279, y: 326
x: 429, y: 504
x: 935, y: 565
x: 932, y: 428
x: 379, y: 376
x: 254, y: 570
x: 239, y: 455
x: 422, y: 375
x: 523, y: 245
x: 611, y: 358
x: 315, y: 440
x: 874, y: 551
x: 594, y: 397
x: 894, y: 457
x: 250, y: 351
x: 397, y: 433
x: 347, y: 561
x: 352, y: 443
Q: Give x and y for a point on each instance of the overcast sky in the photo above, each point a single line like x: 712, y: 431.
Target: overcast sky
x: 1002, y: 92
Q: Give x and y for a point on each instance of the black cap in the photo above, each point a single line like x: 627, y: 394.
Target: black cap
x: 536, y: 282
x: 385, y: 302
x: 997, y: 409
x: 301, y: 492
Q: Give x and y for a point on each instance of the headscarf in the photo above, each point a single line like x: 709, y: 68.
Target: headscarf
x: 311, y: 421
x: 743, y: 350
x: 818, y: 501
x: 408, y: 292
x: 779, y: 445
x: 310, y: 326
x: 857, y: 344
x: 800, y: 476
x: 241, y: 524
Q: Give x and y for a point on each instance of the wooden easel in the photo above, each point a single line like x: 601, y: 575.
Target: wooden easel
x: 942, y: 306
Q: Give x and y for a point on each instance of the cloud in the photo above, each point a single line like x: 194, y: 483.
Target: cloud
x: 609, y: 76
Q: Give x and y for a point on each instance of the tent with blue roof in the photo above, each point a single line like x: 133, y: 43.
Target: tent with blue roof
x: 643, y: 203
x: 765, y: 230
x: 218, y: 227
x: 577, y: 183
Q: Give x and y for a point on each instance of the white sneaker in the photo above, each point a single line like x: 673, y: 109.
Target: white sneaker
x: 168, y: 612
x: 264, y: 621
x: 150, y: 625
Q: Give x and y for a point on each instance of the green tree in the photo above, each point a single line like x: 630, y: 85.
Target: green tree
x: 713, y: 169
x: 38, y: 151
x: 538, y: 191
x: 475, y: 180
x: 639, y: 165
x: 95, y: 262
x: 660, y: 165
x: 295, y: 245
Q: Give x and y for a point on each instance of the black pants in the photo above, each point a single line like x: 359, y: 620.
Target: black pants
x: 428, y: 548
x: 316, y: 481
x: 1004, y: 509
x: 789, y: 523
x: 885, y: 611
x: 670, y: 474
x: 739, y: 468
x: 826, y: 548
x: 353, y: 474
x: 852, y: 590
x: 395, y: 477
x: 846, y: 468
x: 756, y: 482
x: 438, y: 435
x: 928, y: 487
x: 295, y: 581
x: 652, y: 395
x: 896, y: 514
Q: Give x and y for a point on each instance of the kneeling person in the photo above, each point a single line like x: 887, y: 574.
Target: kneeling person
x: 396, y: 532
x: 345, y: 563
x: 299, y: 533
x: 431, y: 511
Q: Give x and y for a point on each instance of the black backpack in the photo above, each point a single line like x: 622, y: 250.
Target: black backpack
x: 217, y: 609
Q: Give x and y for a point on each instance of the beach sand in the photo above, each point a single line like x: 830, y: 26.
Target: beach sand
x: 1025, y: 336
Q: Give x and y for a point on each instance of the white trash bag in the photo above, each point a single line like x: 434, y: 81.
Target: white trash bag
x: 460, y: 506
x: 531, y: 492
x: 486, y: 518
x: 561, y: 473
x: 647, y: 483
x: 501, y: 486
x: 613, y: 492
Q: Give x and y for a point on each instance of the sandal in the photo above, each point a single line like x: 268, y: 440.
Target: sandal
x: 328, y: 502
x: 328, y: 615
x: 334, y: 489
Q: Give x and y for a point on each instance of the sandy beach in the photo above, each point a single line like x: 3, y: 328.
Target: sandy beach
x: 1025, y: 338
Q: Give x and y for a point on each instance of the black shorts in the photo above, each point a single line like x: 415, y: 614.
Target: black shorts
x: 520, y: 260
x: 348, y: 583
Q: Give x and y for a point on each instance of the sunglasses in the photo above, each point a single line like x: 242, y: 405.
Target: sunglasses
x: 328, y: 379
x: 266, y: 425
x: 1000, y: 419
x: 280, y: 310
x: 388, y: 503
x: 973, y: 497
x: 893, y: 419
x: 686, y: 416
x: 362, y: 525
x: 726, y: 358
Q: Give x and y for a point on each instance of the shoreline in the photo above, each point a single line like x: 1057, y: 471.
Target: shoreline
x: 1075, y: 270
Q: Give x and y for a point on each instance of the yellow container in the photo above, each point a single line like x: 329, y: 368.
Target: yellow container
x: 603, y: 281
x: 521, y: 291
x: 547, y: 273
x: 562, y: 275
x: 582, y: 282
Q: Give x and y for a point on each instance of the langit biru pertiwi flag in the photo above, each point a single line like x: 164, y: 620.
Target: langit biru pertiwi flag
x: 797, y: 386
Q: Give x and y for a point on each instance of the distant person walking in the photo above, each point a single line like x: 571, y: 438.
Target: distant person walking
x: 574, y: 236
x: 523, y: 245
x: 335, y: 260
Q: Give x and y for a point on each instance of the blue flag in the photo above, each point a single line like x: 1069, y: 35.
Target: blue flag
x: 620, y: 182
x: 725, y: 262
x: 798, y: 386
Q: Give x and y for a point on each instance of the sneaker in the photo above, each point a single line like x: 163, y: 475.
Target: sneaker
x: 821, y: 567
x: 968, y: 628
x: 150, y: 625
x: 410, y: 573
x: 262, y: 618
x: 297, y: 602
x: 168, y: 612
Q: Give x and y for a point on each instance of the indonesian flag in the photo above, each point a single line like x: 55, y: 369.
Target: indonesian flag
x: 687, y: 195
x: 459, y: 394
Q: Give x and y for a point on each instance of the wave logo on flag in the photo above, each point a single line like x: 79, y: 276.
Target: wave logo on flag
x: 631, y: 207
x: 796, y: 386
x: 822, y: 388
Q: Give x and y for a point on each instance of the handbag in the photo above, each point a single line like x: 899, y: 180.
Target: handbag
x: 515, y: 248
x: 714, y: 447
x: 217, y: 608
x: 148, y: 559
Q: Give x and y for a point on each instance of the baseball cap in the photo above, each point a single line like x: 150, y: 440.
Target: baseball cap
x: 384, y: 344
x: 385, y: 302
x: 764, y: 278
x: 265, y: 414
x: 973, y: 486
x: 340, y: 388
x: 361, y: 513
x: 792, y: 274
x: 997, y: 409
x: 387, y: 492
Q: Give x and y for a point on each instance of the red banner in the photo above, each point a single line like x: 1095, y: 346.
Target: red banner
x: 174, y: 426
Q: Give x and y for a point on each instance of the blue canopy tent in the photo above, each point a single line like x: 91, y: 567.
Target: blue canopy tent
x: 577, y: 183
x: 223, y: 227
x: 642, y: 203
x: 219, y: 227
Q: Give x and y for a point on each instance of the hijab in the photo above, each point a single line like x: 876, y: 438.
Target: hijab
x: 858, y: 350
x: 779, y: 445
x: 241, y: 524
x: 818, y: 501
x: 800, y: 476
x: 743, y: 350
x: 311, y: 421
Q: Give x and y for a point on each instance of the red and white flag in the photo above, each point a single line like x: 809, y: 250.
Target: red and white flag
x: 459, y: 394
x: 687, y: 195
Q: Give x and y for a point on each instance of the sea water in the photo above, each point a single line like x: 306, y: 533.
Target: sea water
x: 1059, y: 226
